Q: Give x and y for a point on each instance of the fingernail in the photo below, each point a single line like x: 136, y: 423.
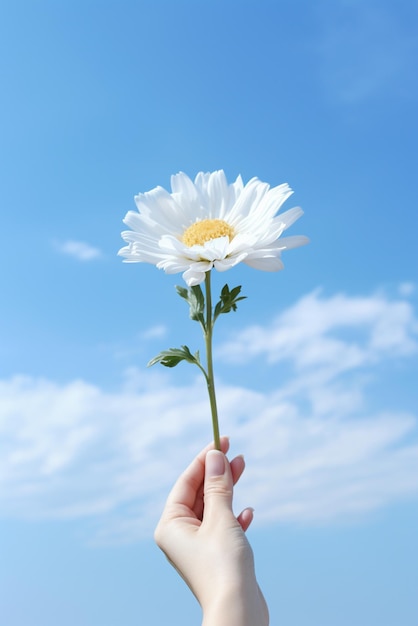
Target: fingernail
x: 215, y: 463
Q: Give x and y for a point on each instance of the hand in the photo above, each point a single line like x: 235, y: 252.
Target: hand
x: 206, y: 543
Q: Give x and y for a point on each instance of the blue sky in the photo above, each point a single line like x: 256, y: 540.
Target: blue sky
x: 317, y: 369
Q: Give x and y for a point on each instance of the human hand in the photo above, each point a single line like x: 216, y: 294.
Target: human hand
x: 206, y: 543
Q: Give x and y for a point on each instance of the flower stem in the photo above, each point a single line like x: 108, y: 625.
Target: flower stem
x: 210, y: 378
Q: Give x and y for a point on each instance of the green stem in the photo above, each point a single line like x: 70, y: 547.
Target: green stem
x: 210, y: 378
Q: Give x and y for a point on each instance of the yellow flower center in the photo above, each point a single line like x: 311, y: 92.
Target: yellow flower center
x: 200, y: 232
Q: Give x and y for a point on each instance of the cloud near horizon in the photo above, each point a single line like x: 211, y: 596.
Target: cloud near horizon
x: 320, y: 448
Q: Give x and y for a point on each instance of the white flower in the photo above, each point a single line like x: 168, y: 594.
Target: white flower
x: 209, y: 224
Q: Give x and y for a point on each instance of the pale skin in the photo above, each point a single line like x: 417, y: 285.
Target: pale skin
x: 206, y: 543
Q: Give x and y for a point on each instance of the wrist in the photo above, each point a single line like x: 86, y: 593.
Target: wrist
x: 241, y: 605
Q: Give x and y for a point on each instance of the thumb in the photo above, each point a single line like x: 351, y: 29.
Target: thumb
x: 218, y: 487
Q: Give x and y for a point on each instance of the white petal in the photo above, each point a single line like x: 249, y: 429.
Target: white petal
x: 139, y: 222
x: 173, y: 265
x: 130, y: 236
x: 181, y: 184
x: 242, y: 241
x: 201, y: 266
x: 193, y: 278
x: 289, y: 217
x: 201, y: 181
x: 226, y: 264
x: 170, y: 245
x: 238, y: 186
x: 274, y: 199
x: 215, y: 194
x: 266, y: 264
x: 166, y: 213
x: 218, y: 195
x: 217, y: 248
x: 287, y: 243
x: 250, y: 197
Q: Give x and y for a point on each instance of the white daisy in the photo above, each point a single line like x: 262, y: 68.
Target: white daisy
x: 209, y: 224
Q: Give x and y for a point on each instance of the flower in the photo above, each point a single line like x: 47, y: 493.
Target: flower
x: 209, y: 224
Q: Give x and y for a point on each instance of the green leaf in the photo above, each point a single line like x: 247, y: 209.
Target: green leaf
x: 197, y: 303
x: 217, y: 310
x: 196, y: 300
x: 173, y: 356
x: 228, y: 300
x: 182, y: 291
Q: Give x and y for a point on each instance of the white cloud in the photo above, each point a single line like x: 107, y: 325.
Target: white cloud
x: 406, y: 289
x: 78, y: 249
x: 330, y: 335
x: 155, y: 332
x: 316, y: 450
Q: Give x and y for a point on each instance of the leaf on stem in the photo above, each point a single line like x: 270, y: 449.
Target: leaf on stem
x: 173, y: 356
x: 196, y: 300
x: 228, y: 300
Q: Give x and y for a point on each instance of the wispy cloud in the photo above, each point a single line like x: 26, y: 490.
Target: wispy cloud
x: 331, y: 334
x: 154, y: 332
x: 317, y: 447
x: 78, y: 249
x: 407, y: 289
